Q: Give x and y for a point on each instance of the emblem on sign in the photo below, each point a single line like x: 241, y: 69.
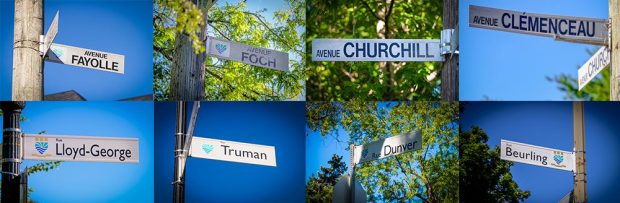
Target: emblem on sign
x: 558, y: 157
x: 41, y: 145
x: 222, y: 48
x: 59, y: 52
x: 207, y: 148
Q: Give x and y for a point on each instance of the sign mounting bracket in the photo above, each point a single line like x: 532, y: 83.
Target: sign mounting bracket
x: 449, y: 39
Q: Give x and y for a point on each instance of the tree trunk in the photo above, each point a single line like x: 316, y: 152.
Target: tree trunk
x: 188, y: 71
x: 450, y: 70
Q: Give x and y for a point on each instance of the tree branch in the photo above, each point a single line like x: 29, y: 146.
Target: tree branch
x: 371, y: 11
x: 231, y: 87
x: 259, y: 18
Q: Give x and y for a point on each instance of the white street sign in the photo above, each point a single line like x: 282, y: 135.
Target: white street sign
x: 247, y: 54
x: 342, y: 191
x: 51, y: 34
x: 593, y: 66
x: 536, y: 155
x: 81, y: 148
x: 376, y: 50
x: 224, y: 150
x: 562, y: 27
x: 87, y: 58
x: 390, y: 146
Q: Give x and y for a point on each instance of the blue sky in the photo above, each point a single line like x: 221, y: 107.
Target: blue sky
x: 121, y: 27
x: 279, y: 124
x: 319, y: 150
x: 92, y: 181
x: 549, y: 124
x: 511, y: 66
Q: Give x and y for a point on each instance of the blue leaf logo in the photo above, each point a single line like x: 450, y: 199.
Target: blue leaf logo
x: 207, y: 148
x: 41, y: 147
x: 221, y: 48
x: 58, y: 52
x: 558, y: 158
x: 364, y: 153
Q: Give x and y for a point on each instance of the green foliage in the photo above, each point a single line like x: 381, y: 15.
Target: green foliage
x: 484, y: 177
x: 597, y: 89
x: 188, y: 20
x: 427, y: 175
x: 228, y: 80
x: 368, y: 19
x: 320, y: 187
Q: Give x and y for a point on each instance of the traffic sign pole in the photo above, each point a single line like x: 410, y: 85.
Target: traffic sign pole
x: 11, y: 150
x: 352, y: 179
x: 579, y: 186
x: 189, y: 135
x: 178, y: 195
x: 24, y: 186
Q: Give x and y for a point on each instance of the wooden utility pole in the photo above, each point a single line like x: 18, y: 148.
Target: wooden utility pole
x: 11, y: 150
x: 178, y: 195
x: 450, y: 69
x: 614, y: 48
x: 188, y: 70
x: 579, y: 187
x: 27, y: 60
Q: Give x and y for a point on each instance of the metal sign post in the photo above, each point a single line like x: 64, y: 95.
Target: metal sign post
x: 11, y: 150
x: 178, y: 195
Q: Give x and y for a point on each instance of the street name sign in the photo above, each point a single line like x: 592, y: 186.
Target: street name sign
x: 81, y: 148
x: 87, y: 58
x: 593, y: 66
x: 51, y: 34
x: 560, y: 27
x: 536, y: 155
x: 342, y: 191
x: 376, y: 50
x: 390, y: 146
x: 224, y: 150
x: 247, y: 54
